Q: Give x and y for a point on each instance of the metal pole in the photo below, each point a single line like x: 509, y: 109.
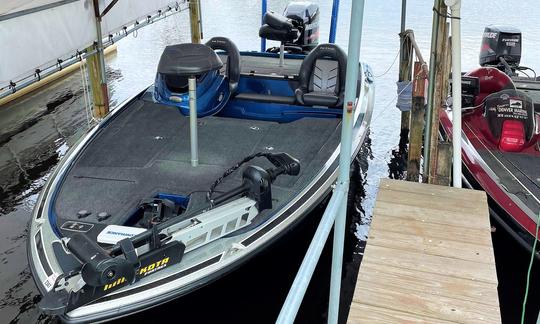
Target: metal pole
x: 403, y: 14
x: 192, y: 85
x: 281, y: 54
x: 263, y: 11
x: 333, y: 21
x: 455, y: 6
x: 431, y: 89
x: 353, y: 57
x: 301, y: 281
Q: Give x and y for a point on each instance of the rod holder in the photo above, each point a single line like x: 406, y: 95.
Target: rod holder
x: 192, y: 85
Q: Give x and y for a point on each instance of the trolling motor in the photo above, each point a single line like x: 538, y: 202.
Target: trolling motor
x: 256, y: 182
x: 106, y: 270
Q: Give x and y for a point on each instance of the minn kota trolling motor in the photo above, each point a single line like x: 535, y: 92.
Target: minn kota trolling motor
x: 164, y: 244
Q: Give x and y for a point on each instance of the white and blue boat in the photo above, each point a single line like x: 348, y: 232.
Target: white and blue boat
x: 192, y: 177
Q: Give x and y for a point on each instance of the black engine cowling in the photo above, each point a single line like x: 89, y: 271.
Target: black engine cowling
x: 500, y: 42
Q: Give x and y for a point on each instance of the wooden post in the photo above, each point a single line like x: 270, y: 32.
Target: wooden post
x: 417, y: 123
x: 405, y: 69
x: 440, y: 92
x: 96, y: 69
x: 443, y: 176
x: 195, y: 21
x: 100, y: 96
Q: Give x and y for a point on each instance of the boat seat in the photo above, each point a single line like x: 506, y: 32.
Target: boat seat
x: 322, y: 77
x: 278, y: 28
x: 233, y: 60
x: 258, y: 97
x: 510, y: 116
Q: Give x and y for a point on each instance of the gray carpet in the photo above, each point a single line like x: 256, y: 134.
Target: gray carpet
x: 524, y: 167
x: 145, y: 150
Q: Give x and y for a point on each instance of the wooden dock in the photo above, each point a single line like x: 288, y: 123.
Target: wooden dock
x: 428, y: 259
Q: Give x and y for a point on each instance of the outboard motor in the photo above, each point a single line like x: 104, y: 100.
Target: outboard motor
x: 305, y: 15
x: 297, y: 29
x: 501, y: 48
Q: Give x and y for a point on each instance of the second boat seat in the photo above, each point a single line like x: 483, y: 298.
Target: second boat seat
x: 322, y: 77
x: 278, y: 28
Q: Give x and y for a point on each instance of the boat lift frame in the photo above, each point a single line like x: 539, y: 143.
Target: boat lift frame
x: 336, y: 211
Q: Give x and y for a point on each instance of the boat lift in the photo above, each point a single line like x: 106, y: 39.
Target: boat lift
x: 336, y: 211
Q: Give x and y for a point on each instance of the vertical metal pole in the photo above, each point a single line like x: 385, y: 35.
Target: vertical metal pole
x: 431, y: 89
x: 456, y: 91
x: 281, y: 54
x: 333, y: 21
x: 403, y: 14
x: 353, y: 57
x: 192, y: 86
x: 263, y: 11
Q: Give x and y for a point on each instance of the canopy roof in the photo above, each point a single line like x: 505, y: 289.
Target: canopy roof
x: 35, y: 33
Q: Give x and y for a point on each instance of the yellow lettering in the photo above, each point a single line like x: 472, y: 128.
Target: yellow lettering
x: 142, y: 270
x: 164, y: 261
x: 151, y: 267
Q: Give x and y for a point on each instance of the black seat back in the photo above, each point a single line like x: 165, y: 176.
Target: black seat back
x: 233, y: 59
x: 322, y: 77
x: 509, y: 104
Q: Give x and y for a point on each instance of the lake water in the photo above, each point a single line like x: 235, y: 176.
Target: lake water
x: 36, y: 131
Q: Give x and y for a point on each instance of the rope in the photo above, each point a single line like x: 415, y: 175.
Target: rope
x: 529, y: 270
x: 391, y: 65
x: 445, y: 15
x: 390, y: 102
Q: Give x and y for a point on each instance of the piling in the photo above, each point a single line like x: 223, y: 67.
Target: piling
x: 195, y: 21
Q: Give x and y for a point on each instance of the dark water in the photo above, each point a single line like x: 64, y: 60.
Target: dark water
x: 36, y: 131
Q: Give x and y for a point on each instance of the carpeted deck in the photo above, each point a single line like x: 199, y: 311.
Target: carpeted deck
x: 145, y: 150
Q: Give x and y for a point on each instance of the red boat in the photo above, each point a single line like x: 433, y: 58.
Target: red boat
x: 501, y: 134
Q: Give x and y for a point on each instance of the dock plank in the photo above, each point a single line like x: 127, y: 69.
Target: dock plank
x: 431, y: 263
x: 428, y: 259
x: 442, y: 231
x: 432, y: 214
x: 426, y: 305
x: 432, y: 283
x: 431, y: 244
x: 361, y: 313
